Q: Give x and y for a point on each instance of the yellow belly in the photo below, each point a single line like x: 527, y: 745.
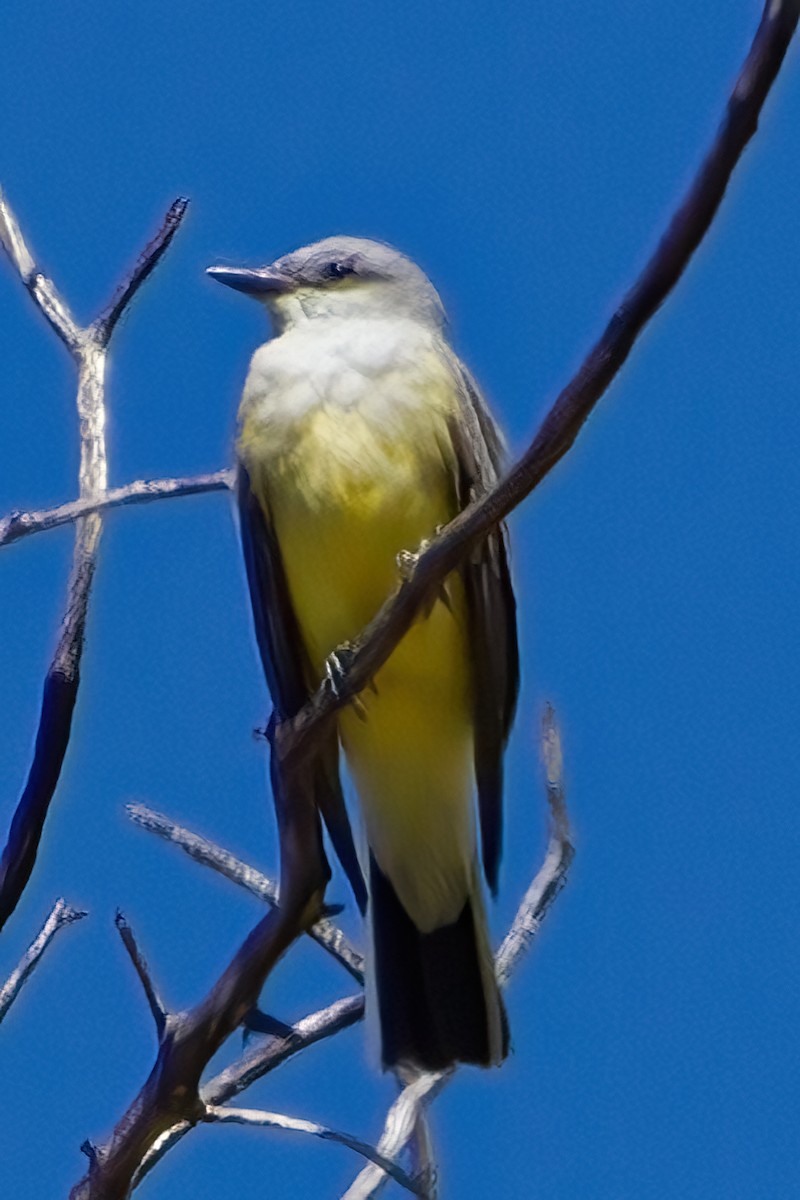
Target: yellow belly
x: 344, y: 500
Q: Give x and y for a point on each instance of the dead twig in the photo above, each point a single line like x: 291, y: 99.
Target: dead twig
x: 17, y: 525
x: 157, y: 1009
x: 325, y: 932
x: 403, y: 1119
x: 269, y: 1120
x: 62, y: 914
x: 89, y: 349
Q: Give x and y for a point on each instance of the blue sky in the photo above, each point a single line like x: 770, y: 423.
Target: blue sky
x: 527, y: 156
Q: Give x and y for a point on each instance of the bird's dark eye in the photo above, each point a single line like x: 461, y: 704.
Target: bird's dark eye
x: 337, y: 270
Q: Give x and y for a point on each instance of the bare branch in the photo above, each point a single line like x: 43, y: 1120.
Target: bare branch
x: 147, y: 262
x: 402, y: 1121
x: 61, y: 915
x: 170, y: 1095
x: 157, y: 1008
x: 160, y: 1130
x: 324, y: 931
x: 19, y: 524
x: 42, y: 289
x: 423, y: 1159
x: 568, y: 414
x: 258, y: 1061
x: 559, y: 855
x: 269, y: 1120
x: 400, y: 1126
x: 89, y: 348
x: 14, y: 243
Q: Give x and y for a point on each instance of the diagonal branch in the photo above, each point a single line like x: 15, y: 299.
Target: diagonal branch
x: 147, y: 262
x: 157, y: 1009
x: 20, y: 524
x: 409, y: 1108
x: 324, y: 931
x: 400, y: 1126
x: 568, y: 414
x: 256, y: 1062
x: 42, y: 290
x: 269, y: 1120
x: 61, y: 915
x: 167, y: 1109
x: 89, y: 348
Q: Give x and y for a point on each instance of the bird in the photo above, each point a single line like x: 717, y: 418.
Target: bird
x: 361, y: 434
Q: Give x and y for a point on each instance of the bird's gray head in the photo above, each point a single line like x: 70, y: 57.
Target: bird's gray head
x: 339, y: 277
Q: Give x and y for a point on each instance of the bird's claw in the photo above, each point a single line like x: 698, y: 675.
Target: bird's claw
x: 407, y: 559
x: 406, y: 562
x: 337, y: 665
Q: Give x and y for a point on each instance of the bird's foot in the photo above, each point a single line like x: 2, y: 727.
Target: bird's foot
x: 407, y: 559
x: 337, y: 665
x: 407, y: 562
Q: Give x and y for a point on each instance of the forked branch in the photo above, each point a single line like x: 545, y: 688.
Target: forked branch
x: 89, y: 348
x: 172, y: 1101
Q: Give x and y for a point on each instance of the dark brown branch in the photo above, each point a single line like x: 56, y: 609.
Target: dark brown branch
x: 171, y: 1093
x: 142, y: 491
x: 147, y: 262
x: 150, y: 1117
x: 563, y: 423
x: 157, y: 1009
x: 52, y: 737
x: 258, y: 1061
x: 89, y: 348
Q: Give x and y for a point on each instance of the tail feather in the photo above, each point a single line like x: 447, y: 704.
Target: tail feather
x: 438, y: 1001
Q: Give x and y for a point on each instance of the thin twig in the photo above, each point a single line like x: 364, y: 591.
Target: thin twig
x: 258, y: 1060
x: 19, y: 524
x: 399, y: 1128
x: 265, y: 1056
x: 552, y: 875
x: 41, y: 289
x: 157, y: 1009
x: 402, y: 1121
x: 573, y: 406
x: 89, y: 348
x: 145, y: 265
x: 423, y: 1159
x: 62, y: 914
x: 324, y: 931
x: 269, y: 1120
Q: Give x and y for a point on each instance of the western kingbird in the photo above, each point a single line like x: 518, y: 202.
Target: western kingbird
x: 360, y: 434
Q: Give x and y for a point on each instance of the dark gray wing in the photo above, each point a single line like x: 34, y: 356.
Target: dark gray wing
x: 287, y: 669
x: 492, y: 618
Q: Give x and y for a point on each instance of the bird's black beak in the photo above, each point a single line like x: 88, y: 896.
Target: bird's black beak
x: 255, y: 281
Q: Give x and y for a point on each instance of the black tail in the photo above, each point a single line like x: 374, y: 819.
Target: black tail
x: 438, y: 1001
